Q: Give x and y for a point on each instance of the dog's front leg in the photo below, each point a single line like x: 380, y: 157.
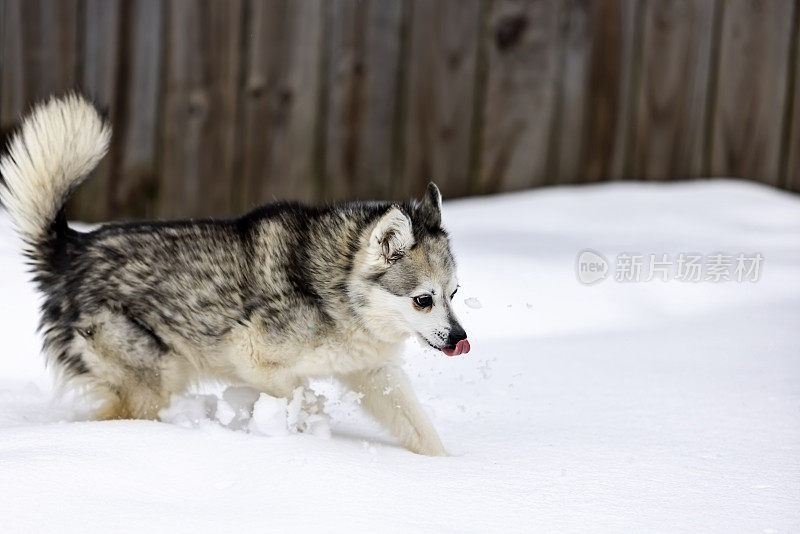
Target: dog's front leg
x: 387, y: 396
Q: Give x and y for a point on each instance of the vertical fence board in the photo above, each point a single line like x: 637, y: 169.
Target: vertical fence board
x: 751, y: 89
x: 578, y: 22
x: 673, y: 93
x: 99, y: 47
x: 439, y: 92
x: 364, y: 53
x: 522, y: 65
x: 609, y: 160
x: 791, y: 178
x: 280, y: 100
x: 792, y: 181
x: 136, y: 128
x: 595, y: 103
x: 39, y: 54
x: 199, y: 108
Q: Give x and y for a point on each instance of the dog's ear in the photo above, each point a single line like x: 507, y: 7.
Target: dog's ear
x: 430, y: 207
x: 392, y: 236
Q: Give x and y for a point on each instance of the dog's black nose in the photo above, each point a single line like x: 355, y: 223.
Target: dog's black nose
x: 456, y: 334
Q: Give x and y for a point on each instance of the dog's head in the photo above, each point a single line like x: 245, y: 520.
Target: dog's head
x: 408, y: 276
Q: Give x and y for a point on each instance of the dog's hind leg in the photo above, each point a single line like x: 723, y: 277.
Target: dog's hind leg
x: 132, y: 393
x: 133, y: 373
x: 109, y: 404
x: 388, y: 396
x: 123, y: 395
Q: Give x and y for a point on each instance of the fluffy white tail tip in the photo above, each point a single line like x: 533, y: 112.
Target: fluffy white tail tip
x: 59, y: 142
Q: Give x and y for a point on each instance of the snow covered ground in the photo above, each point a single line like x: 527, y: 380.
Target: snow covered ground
x: 618, y: 406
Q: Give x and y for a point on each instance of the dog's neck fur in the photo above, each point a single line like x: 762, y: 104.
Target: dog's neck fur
x: 323, y: 264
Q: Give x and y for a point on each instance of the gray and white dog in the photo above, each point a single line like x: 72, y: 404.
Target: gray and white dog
x: 135, y: 312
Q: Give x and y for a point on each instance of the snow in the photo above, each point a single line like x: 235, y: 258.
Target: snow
x: 650, y: 406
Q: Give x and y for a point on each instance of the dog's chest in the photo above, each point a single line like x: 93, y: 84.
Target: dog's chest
x: 342, y: 351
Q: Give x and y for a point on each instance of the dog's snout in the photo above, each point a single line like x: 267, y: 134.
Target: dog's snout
x: 456, y: 334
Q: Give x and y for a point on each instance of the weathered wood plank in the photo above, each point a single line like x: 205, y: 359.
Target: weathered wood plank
x: 280, y: 107
x: 364, y: 48
x: 39, y: 54
x: 522, y: 64
x: 579, y: 21
x: 199, y: 107
x: 136, y: 126
x: 592, y: 132
x: 791, y: 178
x: 751, y: 89
x: 99, y: 48
x: 673, y: 93
x: 439, y: 90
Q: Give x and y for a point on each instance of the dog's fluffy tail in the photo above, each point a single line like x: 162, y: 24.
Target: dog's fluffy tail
x: 59, y: 142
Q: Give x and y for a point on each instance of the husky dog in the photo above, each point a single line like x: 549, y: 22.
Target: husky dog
x: 135, y: 312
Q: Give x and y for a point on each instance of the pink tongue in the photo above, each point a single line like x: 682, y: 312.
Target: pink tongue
x: 462, y: 347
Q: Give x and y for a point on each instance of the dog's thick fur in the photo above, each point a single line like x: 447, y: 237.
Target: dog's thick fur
x: 135, y: 312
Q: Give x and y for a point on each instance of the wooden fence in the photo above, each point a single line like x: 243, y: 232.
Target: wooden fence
x: 219, y: 105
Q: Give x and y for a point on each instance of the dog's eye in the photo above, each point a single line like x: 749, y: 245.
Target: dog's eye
x: 423, y: 301
x: 453, y: 294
